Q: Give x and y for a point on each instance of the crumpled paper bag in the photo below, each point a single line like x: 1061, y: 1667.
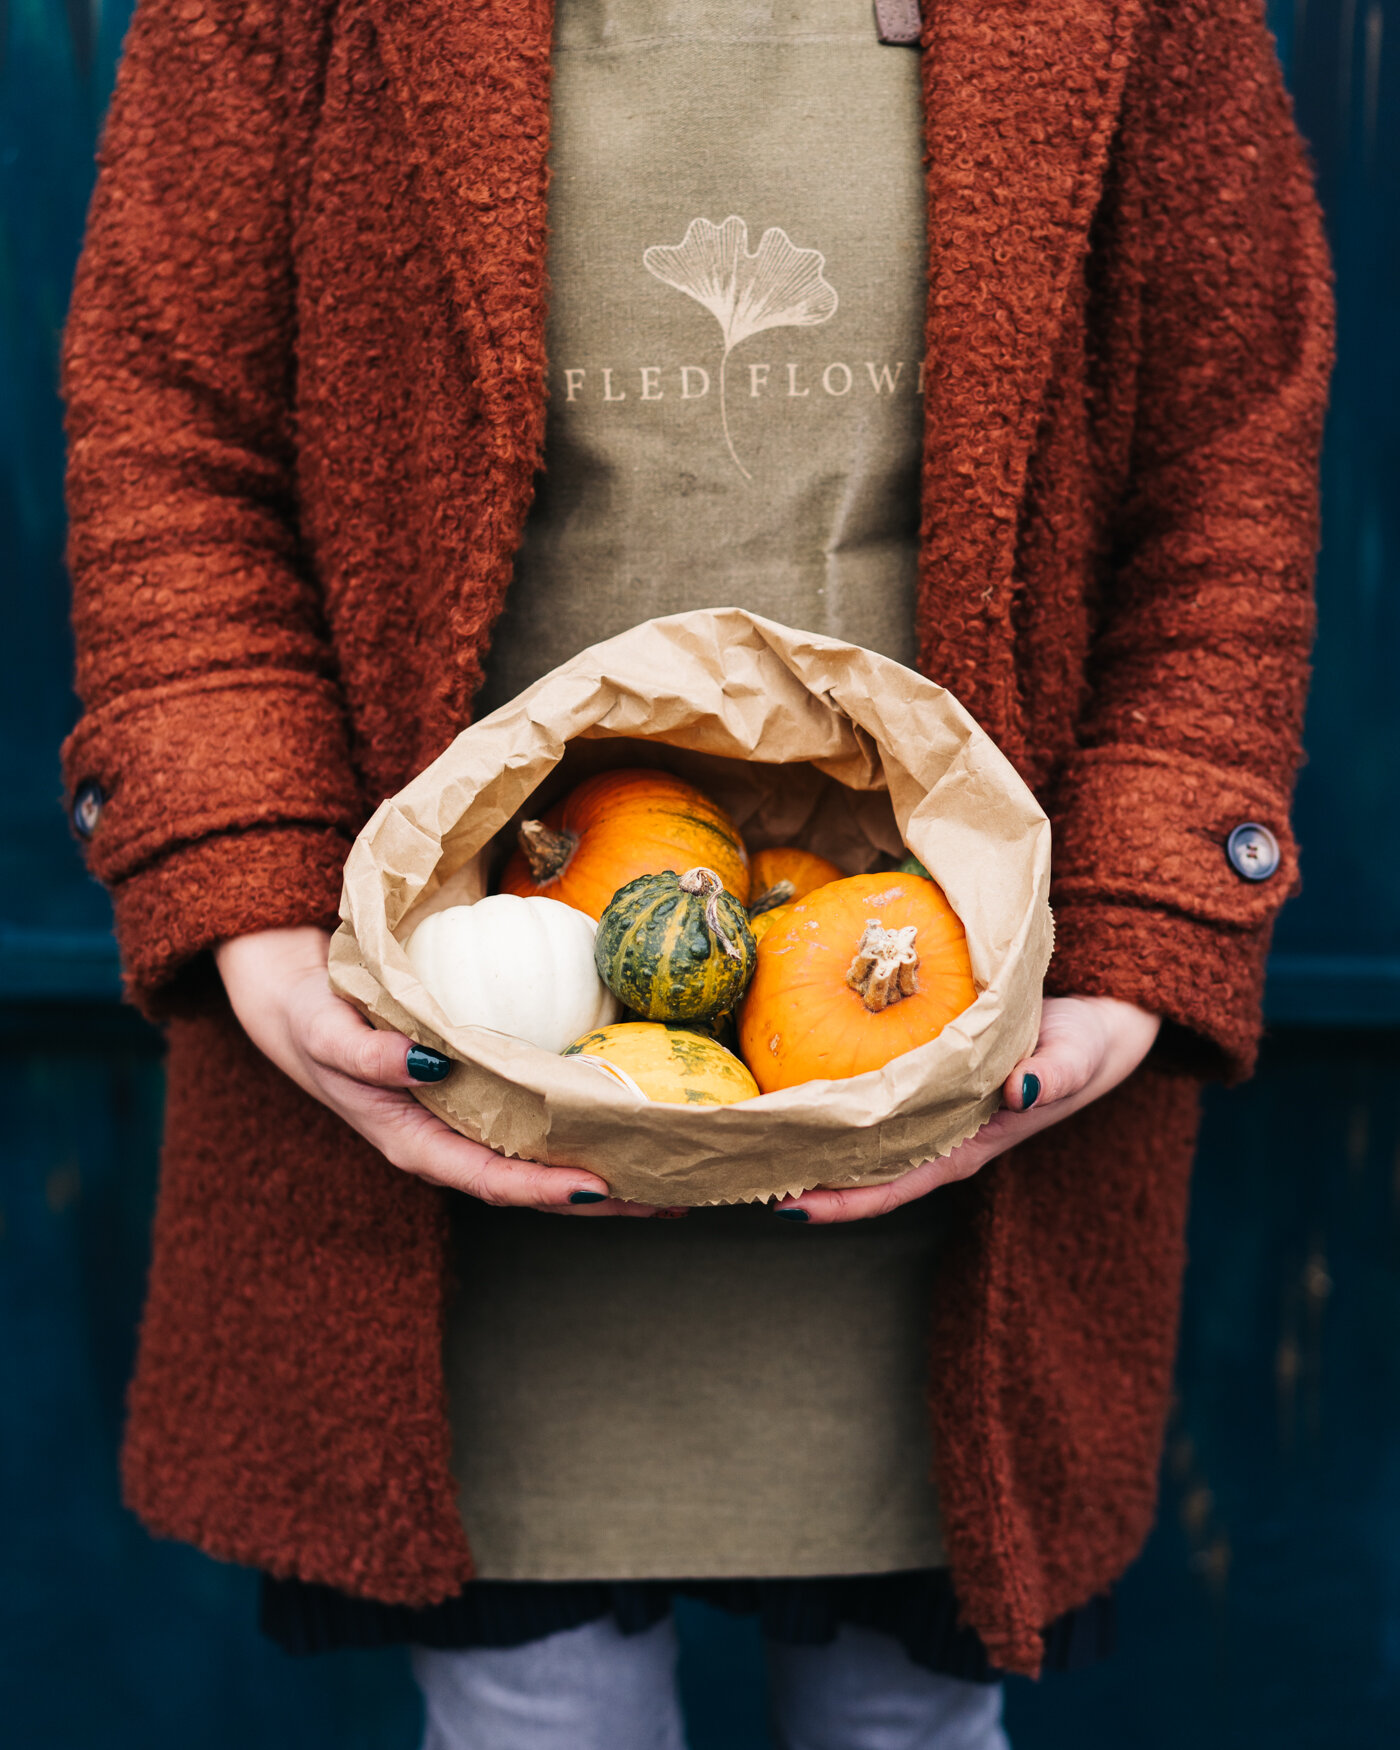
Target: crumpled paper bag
x: 804, y: 740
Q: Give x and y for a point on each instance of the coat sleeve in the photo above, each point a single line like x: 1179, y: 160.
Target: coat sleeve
x: 212, y: 733
x: 1200, y: 665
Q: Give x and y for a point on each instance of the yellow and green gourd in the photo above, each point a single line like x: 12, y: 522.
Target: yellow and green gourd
x: 675, y: 1064
x: 765, y: 920
x: 675, y: 947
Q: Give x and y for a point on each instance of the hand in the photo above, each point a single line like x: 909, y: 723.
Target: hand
x: 277, y: 985
x: 1087, y: 1045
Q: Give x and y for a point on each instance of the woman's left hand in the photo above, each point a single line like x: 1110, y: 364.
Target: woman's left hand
x: 1087, y: 1045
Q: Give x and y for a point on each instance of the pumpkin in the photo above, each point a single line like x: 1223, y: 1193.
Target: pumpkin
x: 520, y: 966
x: 675, y: 1064
x: 912, y: 866
x: 857, y: 973
x: 779, y: 876
x: 617, y: 826
x: 675, y: 947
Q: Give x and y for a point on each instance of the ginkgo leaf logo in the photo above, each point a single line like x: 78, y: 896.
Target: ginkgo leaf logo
x: 776, y: 286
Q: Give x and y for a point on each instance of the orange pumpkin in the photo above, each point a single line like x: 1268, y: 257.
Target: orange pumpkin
x: 857, y: 973
x: 617, y: 826
x: 781, y: 875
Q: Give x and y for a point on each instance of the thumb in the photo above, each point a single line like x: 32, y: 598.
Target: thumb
x: 334, y: 1035
x: 1063, y: 1063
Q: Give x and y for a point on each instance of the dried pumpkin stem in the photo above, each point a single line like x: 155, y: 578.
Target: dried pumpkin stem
x: 546, y: 851
x: 707, y: 882
x: 886, y: 966
x: 772, y: 897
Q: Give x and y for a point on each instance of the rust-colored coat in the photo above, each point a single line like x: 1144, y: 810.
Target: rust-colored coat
x: 305, y: 372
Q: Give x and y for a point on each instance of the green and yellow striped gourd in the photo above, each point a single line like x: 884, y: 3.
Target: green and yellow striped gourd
x: 675, y: 947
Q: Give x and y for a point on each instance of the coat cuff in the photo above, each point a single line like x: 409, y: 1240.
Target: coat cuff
x: 173, y: 911
x: 168, y: 766
x: 1207, y: 983
x: 1149, y: 907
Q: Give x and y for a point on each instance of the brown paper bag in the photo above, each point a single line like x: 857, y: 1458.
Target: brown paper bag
x: 804, y: 740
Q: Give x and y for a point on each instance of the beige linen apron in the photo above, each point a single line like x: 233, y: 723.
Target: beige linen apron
x: 735, y: 340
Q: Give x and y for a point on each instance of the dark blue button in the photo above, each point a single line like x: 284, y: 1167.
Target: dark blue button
x: 87, y: 809
x: 1253, y: 851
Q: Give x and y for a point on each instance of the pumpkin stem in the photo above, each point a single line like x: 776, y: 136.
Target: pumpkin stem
x: 707, y: 882
x: 546, y: 851
x: 772, y: 897
x: 886, y: 966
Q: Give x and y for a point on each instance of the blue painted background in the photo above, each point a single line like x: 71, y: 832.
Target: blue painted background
x: 1266, y: 1609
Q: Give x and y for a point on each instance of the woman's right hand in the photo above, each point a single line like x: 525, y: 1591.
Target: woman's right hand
x: 279, y: 991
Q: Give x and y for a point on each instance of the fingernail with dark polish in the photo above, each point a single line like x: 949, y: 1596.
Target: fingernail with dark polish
x: 427, y: 1066
x: 587, y: 1197
x: 1030, y: 1092
x: 792, y: 1215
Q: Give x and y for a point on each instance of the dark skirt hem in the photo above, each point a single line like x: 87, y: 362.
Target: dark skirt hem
x: 918, y: 1608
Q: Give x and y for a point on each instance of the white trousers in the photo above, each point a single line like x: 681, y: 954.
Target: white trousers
x: 594, y: 1688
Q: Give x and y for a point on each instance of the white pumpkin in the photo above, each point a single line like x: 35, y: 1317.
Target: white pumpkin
x: 520, y: 966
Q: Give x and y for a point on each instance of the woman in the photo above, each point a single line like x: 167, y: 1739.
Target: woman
x: 1021, y: 382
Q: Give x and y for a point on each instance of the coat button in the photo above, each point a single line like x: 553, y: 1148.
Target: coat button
x: 87, y: 809
x: 1253, y: 851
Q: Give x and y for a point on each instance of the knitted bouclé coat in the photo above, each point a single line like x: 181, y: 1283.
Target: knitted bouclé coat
x: 305, y: 377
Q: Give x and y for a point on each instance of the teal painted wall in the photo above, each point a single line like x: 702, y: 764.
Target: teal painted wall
x: 1338, y: 955
x: 1265, y: 1611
